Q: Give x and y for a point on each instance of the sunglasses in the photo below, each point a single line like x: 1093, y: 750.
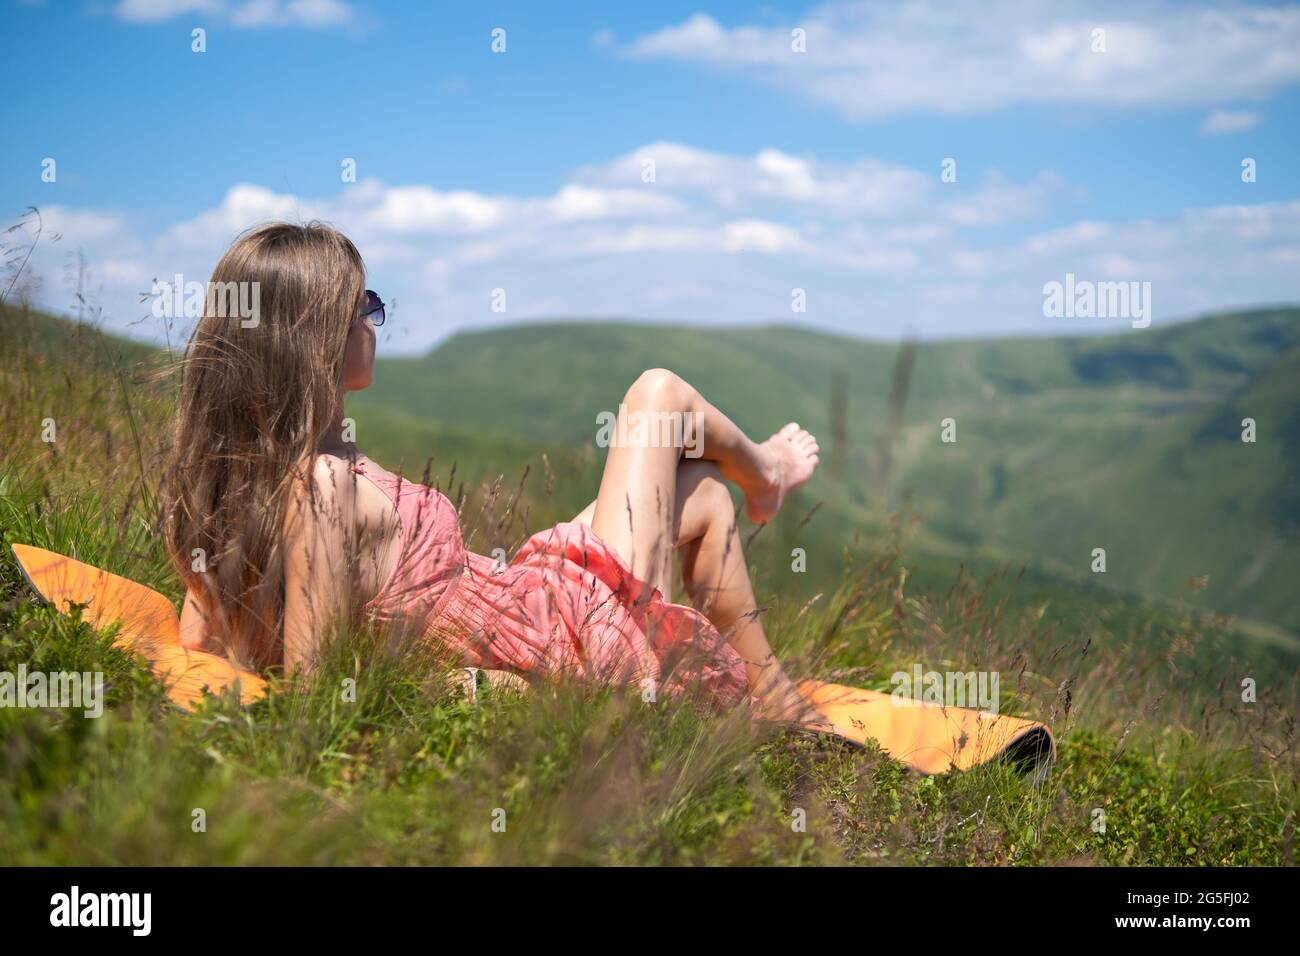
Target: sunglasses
x: 374, y: 308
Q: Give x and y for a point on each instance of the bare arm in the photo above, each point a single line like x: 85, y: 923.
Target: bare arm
x: 194, y: 624
x: 316, y: 569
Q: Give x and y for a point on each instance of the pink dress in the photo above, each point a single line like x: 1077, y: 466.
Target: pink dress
x: 567, y: 605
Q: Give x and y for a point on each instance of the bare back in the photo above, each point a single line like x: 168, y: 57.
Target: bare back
x: 341, y: 538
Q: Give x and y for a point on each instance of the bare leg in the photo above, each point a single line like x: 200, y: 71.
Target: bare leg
x: 717, y: 579
x: 635, y: 507
x: 652, y: 502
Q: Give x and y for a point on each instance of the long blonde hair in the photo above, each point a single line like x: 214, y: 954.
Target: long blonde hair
x: 255, y: 400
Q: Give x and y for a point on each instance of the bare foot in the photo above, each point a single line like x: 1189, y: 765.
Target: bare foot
x: 793, y: 455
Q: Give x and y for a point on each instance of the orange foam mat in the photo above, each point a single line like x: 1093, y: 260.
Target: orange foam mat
x: 149, y: 625
x: 930, y: 737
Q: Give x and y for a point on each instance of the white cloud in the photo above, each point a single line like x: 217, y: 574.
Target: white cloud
x: 998, y: 201
x: 81, y: 225
x: 153, y: 11
x: 423, y: 210
x: 244, y: 205
x: 250, y: 14
x: 1228, y: 252
x: 876, y: 59
x: 1229, y: 121
x: 769, y: 178
x: 718, y: 237
x: 755, y: 235
x: 575, y: 203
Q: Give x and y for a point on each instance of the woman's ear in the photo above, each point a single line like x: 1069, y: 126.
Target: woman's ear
x: 359, y: 357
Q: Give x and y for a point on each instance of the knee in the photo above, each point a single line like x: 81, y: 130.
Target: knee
x: 715, y: 495
x: 712, y: 528
x: 658, y: 388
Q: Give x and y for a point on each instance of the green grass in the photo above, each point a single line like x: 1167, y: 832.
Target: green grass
x: 1144, y: 700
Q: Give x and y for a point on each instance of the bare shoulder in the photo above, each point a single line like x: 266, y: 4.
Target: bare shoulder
x: 326, y: 494
x: 333, y: 478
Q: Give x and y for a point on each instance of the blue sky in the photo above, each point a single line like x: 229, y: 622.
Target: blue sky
x: 774, y: 169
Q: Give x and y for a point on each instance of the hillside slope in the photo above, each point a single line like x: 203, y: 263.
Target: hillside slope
x: 1128, y: 442
x: 1131, y: 443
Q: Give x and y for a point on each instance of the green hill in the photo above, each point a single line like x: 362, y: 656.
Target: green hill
x: 1127, y: 442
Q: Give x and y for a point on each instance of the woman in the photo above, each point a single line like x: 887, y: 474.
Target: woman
x: 280, y: 529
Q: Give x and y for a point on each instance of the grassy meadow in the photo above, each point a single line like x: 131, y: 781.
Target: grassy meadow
x: 977, y: 562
